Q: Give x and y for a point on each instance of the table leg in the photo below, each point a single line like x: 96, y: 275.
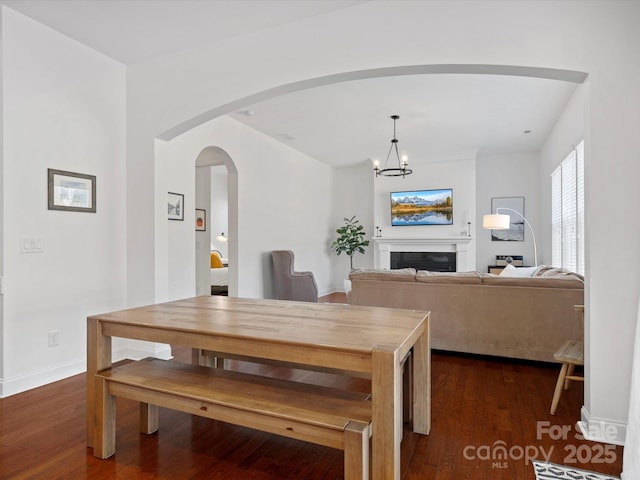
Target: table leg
x: 98, y: 359
x: 386, y: 397
x: 422, y: 384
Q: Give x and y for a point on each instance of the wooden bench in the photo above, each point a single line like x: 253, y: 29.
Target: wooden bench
x: 570, y: 354
x: 219, y: 360
x: 325, y: 416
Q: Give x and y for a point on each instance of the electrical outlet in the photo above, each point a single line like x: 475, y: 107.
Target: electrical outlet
x: 54, y: 338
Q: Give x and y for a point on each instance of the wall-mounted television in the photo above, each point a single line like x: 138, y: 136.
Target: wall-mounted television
x: 422, y: 207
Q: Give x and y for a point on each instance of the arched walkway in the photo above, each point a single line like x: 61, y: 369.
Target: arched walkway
x: 215, y: 156
x: 468, y: 69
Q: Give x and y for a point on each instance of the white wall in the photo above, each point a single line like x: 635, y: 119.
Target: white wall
x: 351, y: 196
x: 63, y: 108
x: 568, y: 131
x: 203, y: 238
x: 219, y: 208
x: 598, y: 37
x: 274, y: 212
x: 457, y: 172
x: 611, y: 172
x: 2, y: 203
x: 509, y: 175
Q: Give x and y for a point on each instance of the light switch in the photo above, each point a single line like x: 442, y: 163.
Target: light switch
x: 32, y: 245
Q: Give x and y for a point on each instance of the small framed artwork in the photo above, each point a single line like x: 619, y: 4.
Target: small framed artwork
x: 504, y: 260
x: 201, y: 220
x: 75, y: 192
x: 515, y: 233
x: 175, y: 206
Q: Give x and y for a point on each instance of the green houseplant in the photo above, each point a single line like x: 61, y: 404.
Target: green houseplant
x: 350, y: 239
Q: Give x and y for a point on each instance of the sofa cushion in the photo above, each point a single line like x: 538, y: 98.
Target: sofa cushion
x: 396, y: 275
x: 541, y: 282
x: 425, y: 276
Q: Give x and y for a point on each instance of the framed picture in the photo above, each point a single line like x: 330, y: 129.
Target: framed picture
x: 201, y: 220
x: 175, y: 206
x: 516, y: 227
x: 71, y: 191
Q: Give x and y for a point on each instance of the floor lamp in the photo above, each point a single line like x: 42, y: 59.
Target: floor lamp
x: 498, y: 221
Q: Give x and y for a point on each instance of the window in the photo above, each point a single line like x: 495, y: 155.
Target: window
x: 567, y: 212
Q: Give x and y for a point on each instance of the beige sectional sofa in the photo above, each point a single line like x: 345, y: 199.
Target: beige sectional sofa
x: 517, y: 317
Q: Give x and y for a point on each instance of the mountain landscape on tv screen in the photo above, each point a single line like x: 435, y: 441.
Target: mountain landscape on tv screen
x: 427, y: 207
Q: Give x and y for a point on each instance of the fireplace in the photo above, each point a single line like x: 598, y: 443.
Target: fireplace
x: 433, y: 261
x: 464, y: 258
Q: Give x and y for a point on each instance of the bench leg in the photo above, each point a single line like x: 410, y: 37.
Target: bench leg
x: 104, y: 444
x: 206, y: 358
x: 356, y: 451
x: 148, y: 418
x: 559, y: 387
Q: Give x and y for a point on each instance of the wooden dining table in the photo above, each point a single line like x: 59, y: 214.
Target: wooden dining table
x: 370, y: 341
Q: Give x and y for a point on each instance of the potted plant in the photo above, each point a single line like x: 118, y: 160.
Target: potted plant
x: 350, y: 238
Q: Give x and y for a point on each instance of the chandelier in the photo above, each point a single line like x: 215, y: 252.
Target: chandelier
x: 402, y: 168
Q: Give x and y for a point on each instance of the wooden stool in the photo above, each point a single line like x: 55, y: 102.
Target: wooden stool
x: 570, y: 354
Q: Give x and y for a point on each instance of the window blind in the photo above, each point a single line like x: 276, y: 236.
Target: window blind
x: 556, y: 217
x: 567, y: 212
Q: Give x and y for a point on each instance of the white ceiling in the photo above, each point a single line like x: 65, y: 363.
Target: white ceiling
x: 340, y: 124
x: 441, y: 116
x: 133, y: 31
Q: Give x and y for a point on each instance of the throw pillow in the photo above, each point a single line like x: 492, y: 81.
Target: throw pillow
x: 511, y: 271
x: 216, y: 261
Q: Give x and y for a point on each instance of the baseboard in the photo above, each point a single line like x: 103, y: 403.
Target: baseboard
x: 29, y: 381
x: 137, y: 350
x: 601, y: 430
x: 133, y: 350
x: 324, y: 293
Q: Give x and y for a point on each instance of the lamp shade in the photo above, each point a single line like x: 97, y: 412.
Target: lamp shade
x: 496, y: 221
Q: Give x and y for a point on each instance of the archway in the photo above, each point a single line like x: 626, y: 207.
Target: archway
x: 469, y: 69
x: 216, y: 158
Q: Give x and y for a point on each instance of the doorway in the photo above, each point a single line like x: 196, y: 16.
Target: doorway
x: 215, y: 181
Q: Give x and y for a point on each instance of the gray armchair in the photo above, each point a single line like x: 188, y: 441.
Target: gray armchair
x: 291, y: 285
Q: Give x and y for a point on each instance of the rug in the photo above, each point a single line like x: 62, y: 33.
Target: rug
x: 551, y: 471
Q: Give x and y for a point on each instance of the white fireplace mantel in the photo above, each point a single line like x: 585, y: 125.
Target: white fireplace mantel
x: 385, y: 245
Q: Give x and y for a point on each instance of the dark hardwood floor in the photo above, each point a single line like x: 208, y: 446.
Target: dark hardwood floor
x: 479, y: 405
